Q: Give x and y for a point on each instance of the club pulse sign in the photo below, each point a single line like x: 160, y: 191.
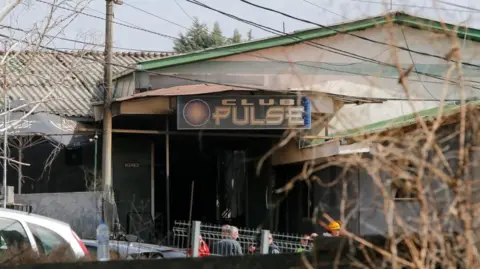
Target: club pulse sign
x: 243, y: 112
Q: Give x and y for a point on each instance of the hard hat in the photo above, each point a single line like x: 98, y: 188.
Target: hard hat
x: 334, y: 225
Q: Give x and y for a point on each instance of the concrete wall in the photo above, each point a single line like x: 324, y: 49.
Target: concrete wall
x: 304, y: 65
x: 82, y: 210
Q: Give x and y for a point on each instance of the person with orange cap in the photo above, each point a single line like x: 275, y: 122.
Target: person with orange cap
x: 333, y: 229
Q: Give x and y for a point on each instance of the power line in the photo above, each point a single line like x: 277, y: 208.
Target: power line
x: 271, y: 59
x: 294, y: 63
x: 414, y: 65
x: 416, y: 6
x: 133, y: 68
x: 324, y: 9
x: 154, y: 15
x: 253, y: 55
x: 74, y: 41
x: 183, y: 10
x: 129, y: 25
x: 351, y: 34
x: 325, y: 47
x: 457, y: 5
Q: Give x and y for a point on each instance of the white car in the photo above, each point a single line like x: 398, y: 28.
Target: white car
x: 43, y: 234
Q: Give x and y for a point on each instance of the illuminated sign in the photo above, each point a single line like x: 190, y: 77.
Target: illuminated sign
x: 243, y: 112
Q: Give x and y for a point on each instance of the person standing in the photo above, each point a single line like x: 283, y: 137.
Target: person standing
x: 304, y: 242
x: 272, y: 247
x: 203, y: 249
x: 229, y: 245
x: 333, y: 229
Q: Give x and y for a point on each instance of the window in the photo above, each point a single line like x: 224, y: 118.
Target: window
x: 48, y: 240
x: 12, y: 235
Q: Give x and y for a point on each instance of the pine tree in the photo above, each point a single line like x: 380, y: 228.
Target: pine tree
x: 198, y: 37
x: 217, y: 36
x: 249, y: 35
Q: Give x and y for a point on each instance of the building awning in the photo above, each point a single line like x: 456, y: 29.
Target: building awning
x: 163, y: 101
x: 54, y: 128
x: 391, y: 124
x: 199, y: 89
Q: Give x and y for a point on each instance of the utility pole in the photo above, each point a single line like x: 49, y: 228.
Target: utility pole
x: 5, y: 133
x: 108, y: 90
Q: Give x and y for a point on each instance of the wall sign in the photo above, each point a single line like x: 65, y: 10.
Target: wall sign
x: 243, y: 112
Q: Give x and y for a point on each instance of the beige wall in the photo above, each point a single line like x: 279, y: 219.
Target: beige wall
x: 285, y: 75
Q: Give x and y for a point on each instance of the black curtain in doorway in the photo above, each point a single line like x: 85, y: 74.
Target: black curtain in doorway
x: 231, y: 187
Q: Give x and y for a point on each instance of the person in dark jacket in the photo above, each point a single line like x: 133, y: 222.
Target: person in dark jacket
x: 272, y: 247
x: 228, y: 246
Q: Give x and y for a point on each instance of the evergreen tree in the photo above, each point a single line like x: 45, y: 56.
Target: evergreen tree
x: 236, y: 38
x: 249, y: 35
x: 198, y: 37
x: 217, y: 36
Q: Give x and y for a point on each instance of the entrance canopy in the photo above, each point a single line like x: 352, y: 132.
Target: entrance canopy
x: 54, y: 128
x: 164, y: 101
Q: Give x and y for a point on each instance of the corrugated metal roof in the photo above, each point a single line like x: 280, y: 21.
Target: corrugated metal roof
x: 73, y: 75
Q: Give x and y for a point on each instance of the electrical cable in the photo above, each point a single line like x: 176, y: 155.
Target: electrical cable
x: 457, y: 5
x: 414, y: 65
x: 321, y: 46
x: 416, y: 6
x: 76, y: 41
x: 132, y: 26
x: 258, y: 26
x: 324, y: 9
x: 253, y: 55
x: 133, y: 68
x: 154, y: 15
x: 351, y: 34
x: 294, y: 63
x: 183, y: 10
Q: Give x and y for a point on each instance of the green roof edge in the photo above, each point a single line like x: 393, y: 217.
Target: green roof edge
x: 305, y: 35
x: 398, y: 122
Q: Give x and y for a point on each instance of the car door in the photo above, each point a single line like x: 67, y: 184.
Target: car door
x: 13, y: 235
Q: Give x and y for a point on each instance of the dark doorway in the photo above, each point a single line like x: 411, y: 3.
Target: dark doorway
x: 190, y: 161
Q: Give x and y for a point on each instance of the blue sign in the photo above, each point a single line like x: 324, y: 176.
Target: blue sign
x: 243, y: 112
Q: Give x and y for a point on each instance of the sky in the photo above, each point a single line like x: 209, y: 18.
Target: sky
x: 154, y: 20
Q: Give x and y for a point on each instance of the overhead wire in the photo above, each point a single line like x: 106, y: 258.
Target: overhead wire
x: 116, y: 21
x: 414, y: 64
x: 292, y: 63
x: 134, y: 68
x: 76, y: 41
x: 458, y: 5
x: 154, y: 15
x: 351, y: 34
x: 324, y: 9
x: 201, y: 81
x: 183, y: 10
x: 417, y: 6
x: 324, y: 47
x: 253, y: 55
